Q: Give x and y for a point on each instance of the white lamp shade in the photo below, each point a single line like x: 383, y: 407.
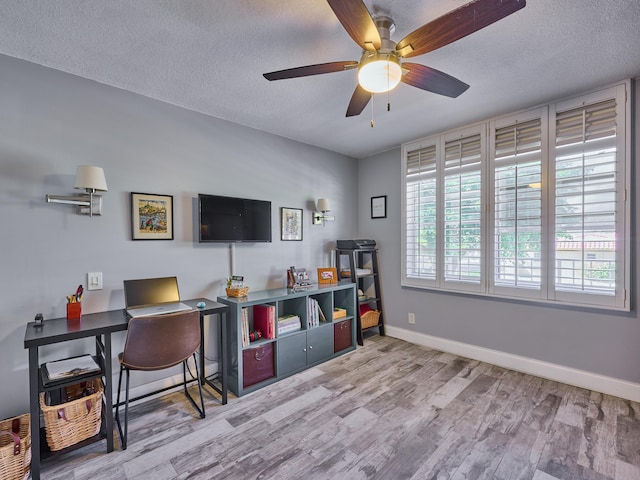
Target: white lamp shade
x: 90, y: 177
x: 380, y: 74
x: 323, y: 205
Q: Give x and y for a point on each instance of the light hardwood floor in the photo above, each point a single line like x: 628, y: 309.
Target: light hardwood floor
x: 389, y: 410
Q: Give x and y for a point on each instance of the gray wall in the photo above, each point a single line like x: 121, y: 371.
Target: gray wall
x: 595, y: 341
x: 50, y: 122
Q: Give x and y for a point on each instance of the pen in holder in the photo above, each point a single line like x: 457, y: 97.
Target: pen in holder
x: 74, y: 310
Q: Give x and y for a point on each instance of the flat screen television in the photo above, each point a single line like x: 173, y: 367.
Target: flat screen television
x: 230, y: 219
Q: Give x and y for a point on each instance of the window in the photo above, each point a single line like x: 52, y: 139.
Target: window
x: 538, y: 210
x: 421, y: 193
x: 589, y: 201
x: 462, y: 190
x: 516, y: 152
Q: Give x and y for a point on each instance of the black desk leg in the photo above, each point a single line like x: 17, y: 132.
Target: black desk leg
x: 108, y: 391
x: 222, y: 371
x: 223, y: 355
x: 203, y: 374
x: 34, y: 411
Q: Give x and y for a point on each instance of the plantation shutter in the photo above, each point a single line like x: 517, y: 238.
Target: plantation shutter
x: 463, y: 210
x: 421, y: 190
x: 517, y: 252
x: 586, y: 182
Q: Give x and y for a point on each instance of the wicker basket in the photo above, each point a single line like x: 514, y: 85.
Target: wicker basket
x: 369, y: 319
x: 69, y: 423
x: 15, y: 448
x: 237, y: 292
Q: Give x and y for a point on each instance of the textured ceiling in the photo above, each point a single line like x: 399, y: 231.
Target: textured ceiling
x: 209, y: 56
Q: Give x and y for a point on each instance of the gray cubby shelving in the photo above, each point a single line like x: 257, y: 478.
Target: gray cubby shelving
x: 266, y: 361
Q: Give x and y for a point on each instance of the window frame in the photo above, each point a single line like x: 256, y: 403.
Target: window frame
x: 547, y: 292
x: 496, y: 124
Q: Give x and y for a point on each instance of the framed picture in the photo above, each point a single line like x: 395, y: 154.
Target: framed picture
x: 379, y: 207
x: 327, y: 275
x: 291, y: 219
x: 151, y: 216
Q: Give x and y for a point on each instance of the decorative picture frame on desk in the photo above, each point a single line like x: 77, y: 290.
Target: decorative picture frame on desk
x: 291, y: 224
x: 327, y: 276
x: 151, y: 216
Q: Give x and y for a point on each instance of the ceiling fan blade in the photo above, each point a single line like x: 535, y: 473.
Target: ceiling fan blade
x: 359, y: 100
x: 357, y: 21
x: 310, y: 70
x: 432, y: 80
x: 455, y: 25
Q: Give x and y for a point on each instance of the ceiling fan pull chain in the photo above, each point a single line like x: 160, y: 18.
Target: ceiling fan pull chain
x: 372, y: 122
x: 388, y: 90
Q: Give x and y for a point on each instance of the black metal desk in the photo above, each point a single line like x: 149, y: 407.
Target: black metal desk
x: 101, y: 325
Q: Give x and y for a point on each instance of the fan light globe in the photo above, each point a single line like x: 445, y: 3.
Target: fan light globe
x: 380, y: 74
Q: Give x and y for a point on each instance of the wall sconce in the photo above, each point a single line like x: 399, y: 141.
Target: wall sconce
x: 321, y: 216
x: 91, y: 179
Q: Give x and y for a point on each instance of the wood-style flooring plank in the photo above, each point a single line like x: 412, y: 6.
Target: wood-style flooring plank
x: 389, y: 410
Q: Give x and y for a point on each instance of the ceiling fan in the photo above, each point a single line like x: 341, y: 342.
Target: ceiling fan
x: 380, y: 68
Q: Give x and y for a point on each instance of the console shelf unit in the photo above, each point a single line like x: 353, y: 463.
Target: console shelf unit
x: 266, y: 361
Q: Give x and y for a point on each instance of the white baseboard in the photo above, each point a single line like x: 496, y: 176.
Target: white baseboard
x: 551, y: 371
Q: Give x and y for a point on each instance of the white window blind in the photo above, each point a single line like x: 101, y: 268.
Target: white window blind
x: 586, y: 182
x: 463, y: 210
x: 540, y: 211
x: 517, y: 206
x: 420, y: 198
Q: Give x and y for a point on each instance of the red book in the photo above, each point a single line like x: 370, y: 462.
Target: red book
x: 264, y: 317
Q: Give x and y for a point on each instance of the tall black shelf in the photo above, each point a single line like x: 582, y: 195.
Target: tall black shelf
x: 363, y: 260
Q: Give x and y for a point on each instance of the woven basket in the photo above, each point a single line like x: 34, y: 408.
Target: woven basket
x: 237, y: 292
x: 369, y: 319
x: 15, y: 448
x: 69, y: 423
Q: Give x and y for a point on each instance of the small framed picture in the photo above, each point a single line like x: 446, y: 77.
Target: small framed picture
x: 379, y: 207
x: 291, y: 224
x: 151, y: 216
x: 327, y: 276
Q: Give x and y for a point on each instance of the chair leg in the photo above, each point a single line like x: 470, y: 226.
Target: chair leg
x: 126, y: 412
x: 200, y: 408
x: 123, y: 436
x: 195, y: 361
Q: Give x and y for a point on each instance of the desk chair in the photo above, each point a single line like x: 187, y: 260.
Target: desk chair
x: 155, y: 343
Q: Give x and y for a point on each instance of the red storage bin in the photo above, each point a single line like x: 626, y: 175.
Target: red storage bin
x: 342, y: 336
x: 257, y: 364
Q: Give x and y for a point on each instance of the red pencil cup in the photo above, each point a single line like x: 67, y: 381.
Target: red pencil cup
x: 74, y: 311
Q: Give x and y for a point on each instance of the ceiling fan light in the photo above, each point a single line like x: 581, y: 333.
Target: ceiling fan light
x: 380, y: 74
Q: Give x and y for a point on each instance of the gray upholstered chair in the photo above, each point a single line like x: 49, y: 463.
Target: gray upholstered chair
x: 155, y: 343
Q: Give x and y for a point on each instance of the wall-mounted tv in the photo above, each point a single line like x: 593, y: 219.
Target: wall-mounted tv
x: 230, y: 219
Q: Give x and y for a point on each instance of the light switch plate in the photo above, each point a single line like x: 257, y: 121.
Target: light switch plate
x: 94, y: 281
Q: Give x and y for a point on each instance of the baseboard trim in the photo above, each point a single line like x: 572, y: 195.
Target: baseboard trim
x: 551, y: 371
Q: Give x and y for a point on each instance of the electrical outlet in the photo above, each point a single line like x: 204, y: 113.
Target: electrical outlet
x: 94, y: 281
x: 412, y: 318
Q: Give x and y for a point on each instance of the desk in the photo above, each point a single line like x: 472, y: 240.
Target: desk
x: 101, y: 325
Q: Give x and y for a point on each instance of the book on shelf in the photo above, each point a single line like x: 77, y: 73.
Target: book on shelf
x: 321, y: 314
x: 264, y: 319
x: 288, y: 323
x: 316, y: 315
x: 245, y: 327
x: 70, y: 367
x: 339, y: 313
x: 292, y: 327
